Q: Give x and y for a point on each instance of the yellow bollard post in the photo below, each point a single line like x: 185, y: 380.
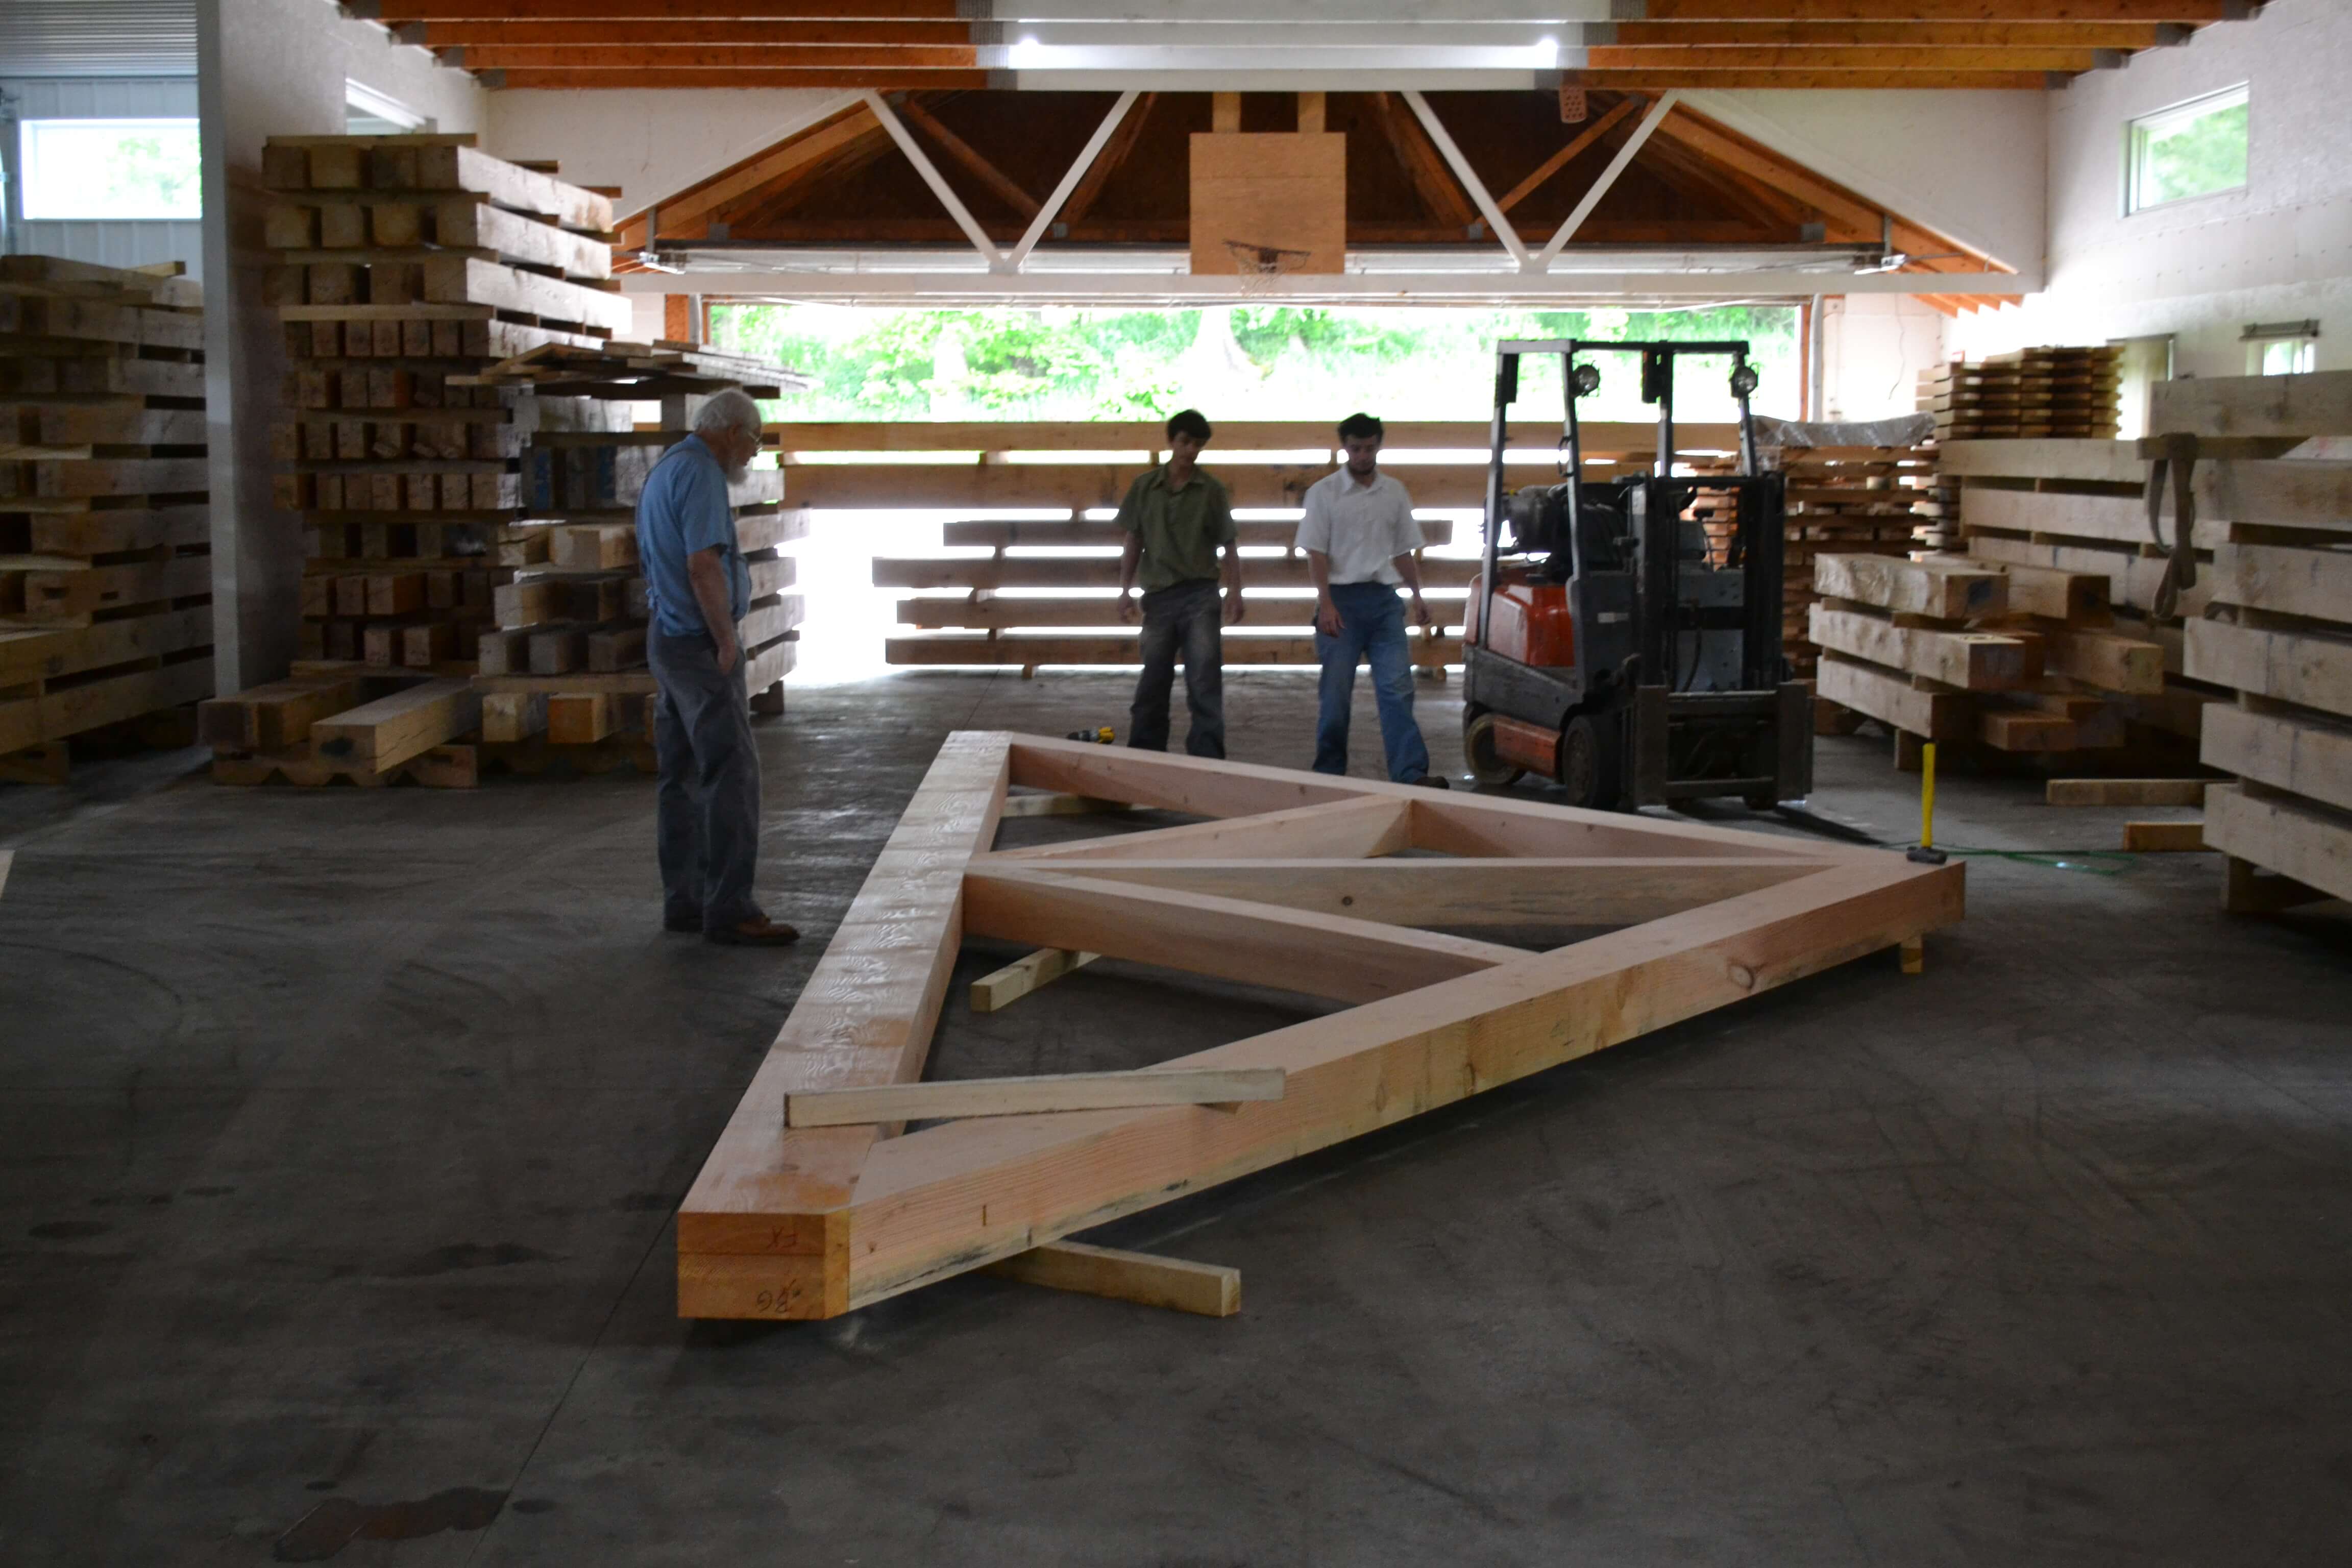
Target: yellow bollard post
x: 1928, y: 796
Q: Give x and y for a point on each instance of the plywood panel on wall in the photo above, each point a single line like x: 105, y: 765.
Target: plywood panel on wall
x: 1284, y: 190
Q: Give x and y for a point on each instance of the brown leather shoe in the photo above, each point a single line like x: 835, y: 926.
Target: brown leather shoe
x: 762, y: 932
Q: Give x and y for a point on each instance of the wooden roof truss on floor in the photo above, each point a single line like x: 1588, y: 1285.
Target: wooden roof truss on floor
x: 1295, y: 880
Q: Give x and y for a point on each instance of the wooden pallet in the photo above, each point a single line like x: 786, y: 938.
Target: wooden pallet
x: 1295, y: 883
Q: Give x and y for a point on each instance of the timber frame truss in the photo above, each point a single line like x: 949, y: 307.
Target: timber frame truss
x: 1296, y: 880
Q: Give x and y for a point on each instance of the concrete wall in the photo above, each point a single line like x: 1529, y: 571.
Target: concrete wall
x: 273, y: 67
x: 1874, y: 347
x: 109, y: 242
x: 648, y: 142
x: 2280, y: 250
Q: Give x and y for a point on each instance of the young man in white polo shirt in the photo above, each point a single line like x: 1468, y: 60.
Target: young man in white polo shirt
x: 1360, y: 536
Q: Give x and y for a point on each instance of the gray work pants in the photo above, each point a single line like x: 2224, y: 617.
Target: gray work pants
x: 1183, y: 617
x: 707, y: 812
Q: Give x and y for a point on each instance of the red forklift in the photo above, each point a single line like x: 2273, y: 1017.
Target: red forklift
x: 1612, y: 646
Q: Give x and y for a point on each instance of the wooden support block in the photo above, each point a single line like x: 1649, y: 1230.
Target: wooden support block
x: 513, y: 715
x: 392, y: 728
x: 956, y: 1099
x: 1021, y: 976
x: 2249, y: 889
x: 1914, y: 953
x: 2126, y: 792
x: 1059, y: 805
x: 2164, y: 837
x: 1203, y: 1287
x: 579, y: 718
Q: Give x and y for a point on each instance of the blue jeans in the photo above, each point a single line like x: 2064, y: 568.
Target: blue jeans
x: 1183, y: 617
x: 1371, y: 626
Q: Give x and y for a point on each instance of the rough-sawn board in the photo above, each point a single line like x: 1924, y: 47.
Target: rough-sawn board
x: 814, y: 1222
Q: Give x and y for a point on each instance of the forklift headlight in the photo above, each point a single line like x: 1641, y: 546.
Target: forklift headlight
x: 1587, y: 379
x: 1744, y: 381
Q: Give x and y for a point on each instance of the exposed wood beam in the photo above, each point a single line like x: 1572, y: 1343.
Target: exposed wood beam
x: 1928, y: 75
x: 933, y: 178
x: 1496, y: 222
x: 1906, y: 34
x: 708, y: 57
x: 762, y: 206
x: 1609, y: 177
x: 965, y: 154
x: 1567, y: 154
x: 810, y: 146
x: 1422, y: 165
x: 1798, y: 58
x: 1073, y: 178
x: 875, y: 78
x: 1108, y: 162
x: 871, y: 34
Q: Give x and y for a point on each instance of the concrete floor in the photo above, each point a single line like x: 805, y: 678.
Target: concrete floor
x: 340, y: 1132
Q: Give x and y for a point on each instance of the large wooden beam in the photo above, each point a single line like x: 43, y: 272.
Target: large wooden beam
x: 1346, y: 825
x: 1431, y: 892
x: 956, y: 1099
x: 1228, y: 939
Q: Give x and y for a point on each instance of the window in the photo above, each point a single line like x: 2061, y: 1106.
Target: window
x: 367, y: 112
x: 2282, y: 348
x: 2193, y: 149
x: 110, y: 169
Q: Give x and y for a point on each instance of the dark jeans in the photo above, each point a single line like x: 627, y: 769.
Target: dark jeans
x: 1180, y: 615
x: 707, y: 804
x: 1372, y: 627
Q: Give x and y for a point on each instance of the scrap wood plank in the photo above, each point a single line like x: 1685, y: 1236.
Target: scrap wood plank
x: 390, y: 729
x: 1007, y: 986
x: 1208, y: 1289
x: 2164, y: 837
x: 941, y: 1099
x: 2126, y: 792
x: 813, y: 1223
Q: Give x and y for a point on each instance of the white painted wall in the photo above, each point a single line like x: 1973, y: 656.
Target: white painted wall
x: 109, y: 242
x: 649, y: 143
x: 264, y: 68
x: 1968, y: 164
x: 2281, y: 250
x: 1874, y: 347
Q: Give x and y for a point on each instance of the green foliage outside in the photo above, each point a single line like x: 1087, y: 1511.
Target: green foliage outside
x: 2193, y: 158
x: 1246, y: 363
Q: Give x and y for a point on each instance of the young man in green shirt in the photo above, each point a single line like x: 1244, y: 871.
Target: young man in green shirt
x: 1177, y: 518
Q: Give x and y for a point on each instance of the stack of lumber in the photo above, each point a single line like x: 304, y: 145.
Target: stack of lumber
x: 2042, y: 392
x: 1842, y: 500
x: 2276, y: 632
x: 399, y: 262
x: 2078, y: 506
x: 1045, y: 592
x: 105, y: 530
x: 565, y: 656
x: 2010, y: 659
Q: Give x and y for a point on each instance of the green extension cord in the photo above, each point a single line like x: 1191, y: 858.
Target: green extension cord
x: 2095, y: 862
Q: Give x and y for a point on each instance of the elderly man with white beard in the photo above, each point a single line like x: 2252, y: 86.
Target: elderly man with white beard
x: 696, y: 589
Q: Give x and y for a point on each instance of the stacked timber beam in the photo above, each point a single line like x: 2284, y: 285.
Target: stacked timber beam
x: 565, y: 659
x: 2026, y: 394
x: 1843, y: 500
x: 1034, y: 600
x: 2011, y: 659
x: 2078, y: 507
x: 401, y: 261
x: 105, y: 526
x: 2276, y: 631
